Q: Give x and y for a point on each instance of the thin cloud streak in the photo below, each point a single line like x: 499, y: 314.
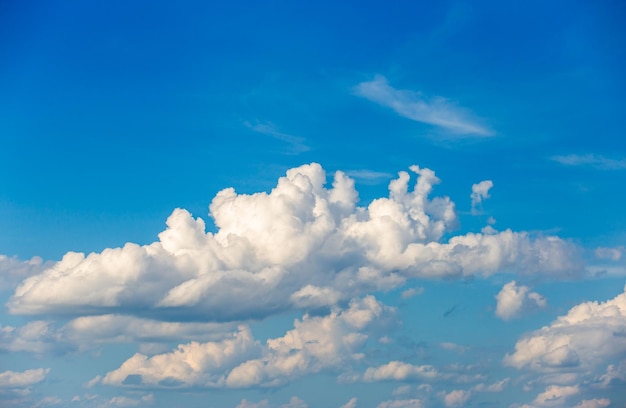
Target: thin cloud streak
x: 437, y: 111
x: 297, y: 144
x: 596, y: 161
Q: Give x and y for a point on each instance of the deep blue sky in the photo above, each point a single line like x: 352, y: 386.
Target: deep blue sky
x: 113, y: 114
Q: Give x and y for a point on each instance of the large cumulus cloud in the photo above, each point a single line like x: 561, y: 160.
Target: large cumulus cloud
x: 303, y: 245
x: 589, y: 335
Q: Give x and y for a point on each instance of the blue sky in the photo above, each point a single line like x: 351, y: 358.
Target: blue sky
x: 300, y: 204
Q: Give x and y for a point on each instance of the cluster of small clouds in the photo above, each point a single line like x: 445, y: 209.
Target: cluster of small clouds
x: 305, y: 247
x: 315, y: 343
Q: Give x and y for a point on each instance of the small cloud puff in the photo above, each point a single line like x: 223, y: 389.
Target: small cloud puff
x: 480, y: 192
x: 515, y: 299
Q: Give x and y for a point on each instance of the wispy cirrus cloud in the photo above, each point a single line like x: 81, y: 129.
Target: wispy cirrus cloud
x: 597, y: 161
x: 437, y: 111
x: 296, y: 144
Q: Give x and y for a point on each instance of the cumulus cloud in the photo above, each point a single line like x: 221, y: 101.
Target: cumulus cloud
x: 400, y: 371
x: 596, y: 161
x: 315, y: 343
x: 435, y: 111
x: 110, y: 328
x: 456, y: 398
x: 514, y: 299
x: 301, y: 246
x: 613, y: 254
x: 594, y: 403
x: 13, y: 379
x: 555, y: 396
x: 495, y: 387
x: 480, y: 192
x: 87, y: 332
x: 248, y: 404
x: 590, y: 334
x: 38, y: 337
x: 411, y: 292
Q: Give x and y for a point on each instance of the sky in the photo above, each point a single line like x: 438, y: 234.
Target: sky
x: 312, y: 204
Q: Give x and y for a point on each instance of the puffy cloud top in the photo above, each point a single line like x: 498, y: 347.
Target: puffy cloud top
x: 588, y: 335
x: 301, y: 246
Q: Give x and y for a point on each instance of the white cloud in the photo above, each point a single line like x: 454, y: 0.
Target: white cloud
x: 13, y: 270
x: 199, y: 364
x: 122, y: 401
x: 555, y: 396
x: 400, y: 371
x: 514, y: 299
x: 295, y: 402
x: 435, y: 111
x: 480, y: 192
x: 615, y: 376
x: 596, y: 161
x: 588, y: 335
x: 87, y: 330
x: 495, y: 387
x: 13, y: 379
x: 613, y: 254
x: 247, y: 404
x: 407, y: 403
x: 456, y: 398
x: 300, y: 246
x: 48, y: 401
x: 411, y: 292
x: 350, y: 404
x: 315, y: 343
x: 594, y: 403
x: 34, y: 337
x: 453, y: 347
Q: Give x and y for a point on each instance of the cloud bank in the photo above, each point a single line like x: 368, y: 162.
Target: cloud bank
x: 313, y: 345
x: 301, y: 246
